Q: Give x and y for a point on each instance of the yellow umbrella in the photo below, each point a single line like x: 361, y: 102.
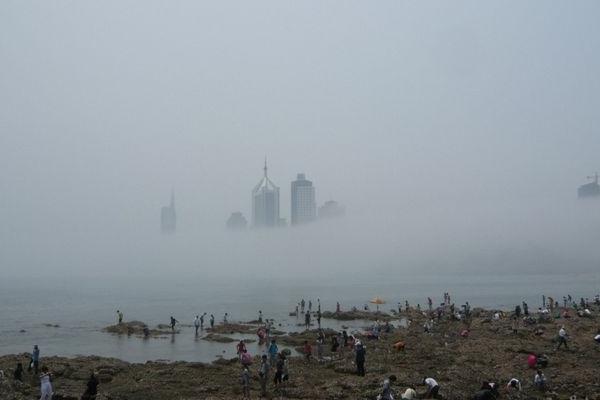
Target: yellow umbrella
x: 377, y: 300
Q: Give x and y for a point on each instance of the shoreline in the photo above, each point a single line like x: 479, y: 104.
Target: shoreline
x: 490, y: 352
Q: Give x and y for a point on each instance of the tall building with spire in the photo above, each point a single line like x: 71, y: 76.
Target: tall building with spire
x: 168, y: 217
x: 265, y: 202
x: 304, y: 207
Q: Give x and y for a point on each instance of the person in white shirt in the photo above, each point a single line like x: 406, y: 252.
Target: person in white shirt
x: 46, y: 385
x: 432, y: 388
x: 562, y: 337
x: 514, y: 385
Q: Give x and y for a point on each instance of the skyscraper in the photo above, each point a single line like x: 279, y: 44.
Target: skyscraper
x: 265, y: 203
x: 304, y: 208
x: 168, y: 218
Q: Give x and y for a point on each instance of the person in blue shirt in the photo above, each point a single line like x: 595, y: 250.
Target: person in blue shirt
x: 273, y: 350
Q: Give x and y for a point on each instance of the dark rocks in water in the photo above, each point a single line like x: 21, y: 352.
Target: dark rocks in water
x: 214, y: 337
x: 52, y: 325
x: 358, y: 314
x: 138, y: 328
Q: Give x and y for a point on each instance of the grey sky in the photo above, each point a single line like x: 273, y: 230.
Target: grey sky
x: 392, y: 108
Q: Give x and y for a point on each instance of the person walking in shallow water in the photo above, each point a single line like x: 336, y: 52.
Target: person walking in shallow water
x: 307, y: 320
x: 197, y: 323
x: 173, y: 323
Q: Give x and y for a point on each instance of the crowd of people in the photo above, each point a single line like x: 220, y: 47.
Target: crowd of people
x: 344, y: 345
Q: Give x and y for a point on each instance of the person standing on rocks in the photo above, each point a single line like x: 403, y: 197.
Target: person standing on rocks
x: 173, y: 323
x: 432, y: 388
x: 246, y: 384
x: 525, y: 308
x: 302, y: 304
x: 307, y: 351
x: 119, y: 317
x: 273, y: 350
x: 515, y: 325
x: 320, y: 345
x: 310, y: 305
x: 430, y: 304
x: 91, y: 388
x: 212, y: 321
x: 46, y: 384
x: 35, y: 360
x: 197, y: 323
x: 225, y: 319
x: 260, y: 316
x: 360, y: 358
x: 319, y: 318
x: 562, y: 337
x: 263, y: 375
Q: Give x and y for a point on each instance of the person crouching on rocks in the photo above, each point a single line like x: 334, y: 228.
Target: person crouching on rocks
x: 432, y: 388
x: 92, y: 388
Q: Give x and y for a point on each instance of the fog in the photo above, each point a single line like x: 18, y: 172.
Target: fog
x: 455, y: 134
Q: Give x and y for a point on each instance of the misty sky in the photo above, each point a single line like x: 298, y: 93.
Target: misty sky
x: 393, y: 108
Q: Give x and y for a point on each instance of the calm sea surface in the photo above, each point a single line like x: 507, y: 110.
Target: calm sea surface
x: 82, y: 307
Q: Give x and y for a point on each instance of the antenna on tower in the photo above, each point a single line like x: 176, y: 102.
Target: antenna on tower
x: 265, y: 168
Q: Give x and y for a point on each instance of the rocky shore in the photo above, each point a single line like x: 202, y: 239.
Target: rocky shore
x: 491, y: 351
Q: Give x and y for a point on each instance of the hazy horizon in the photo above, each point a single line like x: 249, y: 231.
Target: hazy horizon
x: 456, y: 136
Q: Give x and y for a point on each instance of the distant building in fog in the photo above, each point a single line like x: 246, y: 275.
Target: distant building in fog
x: 168, y: 217
x: 591, y: 189
x: 265, y: 203
x: 237, y: 221
x: 304, y: 208
x: 331, y: 209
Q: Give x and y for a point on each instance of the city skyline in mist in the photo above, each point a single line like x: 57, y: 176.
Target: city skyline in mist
x: 432, y: 123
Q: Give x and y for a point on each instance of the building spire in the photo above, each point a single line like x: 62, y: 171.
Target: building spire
x: 265, y: 168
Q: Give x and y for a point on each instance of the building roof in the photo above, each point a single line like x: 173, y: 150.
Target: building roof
x: 265, y: 183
